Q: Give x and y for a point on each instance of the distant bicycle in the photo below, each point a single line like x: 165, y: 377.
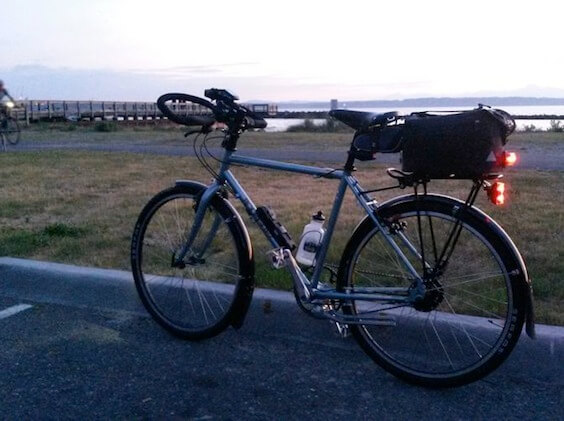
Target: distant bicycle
x: 431, y: 288
x: 9, y: 127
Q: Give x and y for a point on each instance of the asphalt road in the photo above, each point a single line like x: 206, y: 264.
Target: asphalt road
x: 530, y: 158
x: 86, y: 349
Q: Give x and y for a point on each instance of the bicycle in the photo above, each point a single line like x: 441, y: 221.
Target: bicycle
x: 431, y: 288
x: 9, y: 126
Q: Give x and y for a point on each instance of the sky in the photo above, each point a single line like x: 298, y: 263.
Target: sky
x: 281, y: 50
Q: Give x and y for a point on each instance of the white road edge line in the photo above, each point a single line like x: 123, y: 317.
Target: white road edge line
x: 10, y: 311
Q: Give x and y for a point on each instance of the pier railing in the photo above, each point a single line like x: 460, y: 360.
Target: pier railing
x: 37, y: 110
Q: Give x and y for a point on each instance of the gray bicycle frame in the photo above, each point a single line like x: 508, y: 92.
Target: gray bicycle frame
x: 346, y: 180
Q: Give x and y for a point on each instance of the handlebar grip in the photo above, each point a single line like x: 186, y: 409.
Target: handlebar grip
x: 255, y: 123
x: 187, y: 120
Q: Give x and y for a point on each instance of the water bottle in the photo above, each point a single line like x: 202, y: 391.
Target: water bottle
x: 311, y: 239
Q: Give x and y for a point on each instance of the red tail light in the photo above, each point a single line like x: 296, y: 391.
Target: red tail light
x: 509, y: 159
x: 496, y: 193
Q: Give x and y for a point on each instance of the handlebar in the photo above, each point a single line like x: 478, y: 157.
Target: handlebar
x: 225, y: 110
x: 187, y: 120
x: 255, y: 123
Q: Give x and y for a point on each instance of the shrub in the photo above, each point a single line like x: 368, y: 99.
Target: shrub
x: 530, y: 128
x: 329, y: 126
x: 106, y: 126
x: 556, y: 126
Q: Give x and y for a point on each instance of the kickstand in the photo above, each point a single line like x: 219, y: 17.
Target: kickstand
x: 342, y: 329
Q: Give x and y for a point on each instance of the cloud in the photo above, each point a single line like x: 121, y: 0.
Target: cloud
x: 177, y: 71
x: 41, y: 82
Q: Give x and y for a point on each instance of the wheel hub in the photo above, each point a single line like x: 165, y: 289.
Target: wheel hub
x: 434, y: 295
x: 191, y: 261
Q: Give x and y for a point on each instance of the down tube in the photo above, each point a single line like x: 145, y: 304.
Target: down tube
x: 322, y: 254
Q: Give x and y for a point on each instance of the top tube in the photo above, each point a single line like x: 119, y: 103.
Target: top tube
x: 287, y: 166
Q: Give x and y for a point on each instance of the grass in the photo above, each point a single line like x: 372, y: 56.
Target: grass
x: 80, y: 208
x: 164, y: 133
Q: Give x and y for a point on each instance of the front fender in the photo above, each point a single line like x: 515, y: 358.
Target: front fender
x: 246, y: 256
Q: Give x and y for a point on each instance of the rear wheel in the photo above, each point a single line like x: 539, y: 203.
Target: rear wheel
x: 198, y: 297
x: 472, y: 313
x: 11, y: 130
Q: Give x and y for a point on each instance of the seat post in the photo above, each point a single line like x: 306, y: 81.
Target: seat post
x: 349, y: 164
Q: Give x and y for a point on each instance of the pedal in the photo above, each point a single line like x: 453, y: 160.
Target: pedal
x: 276, y: 257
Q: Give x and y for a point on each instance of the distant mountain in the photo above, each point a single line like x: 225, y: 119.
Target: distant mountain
x: 429, y: 102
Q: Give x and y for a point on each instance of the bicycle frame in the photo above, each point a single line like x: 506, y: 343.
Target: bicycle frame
x: 346, y: 181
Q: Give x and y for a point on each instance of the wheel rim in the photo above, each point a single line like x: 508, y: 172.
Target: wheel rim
x: 11, y: 130
x: 464, y: 329
x: 199, y: 295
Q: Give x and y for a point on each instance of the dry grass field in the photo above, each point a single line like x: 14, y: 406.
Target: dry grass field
x: 164, y: 133
x: 80, y: 208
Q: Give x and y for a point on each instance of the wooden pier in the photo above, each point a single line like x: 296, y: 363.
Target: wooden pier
x: 37, y: 110
x: 34, y: 110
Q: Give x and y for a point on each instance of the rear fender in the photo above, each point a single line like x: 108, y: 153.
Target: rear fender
x: 519, y: 276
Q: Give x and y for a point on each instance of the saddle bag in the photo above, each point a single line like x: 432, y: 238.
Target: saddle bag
x: 384, y: 140
x: 464, y: 145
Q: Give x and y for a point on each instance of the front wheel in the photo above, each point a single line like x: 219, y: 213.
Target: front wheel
x: 473, y: 310
x: 199, y: 296
x: 11, y: 130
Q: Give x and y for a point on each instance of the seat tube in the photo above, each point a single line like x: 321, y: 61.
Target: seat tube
x: 322, y: 253
x: 353, y: 183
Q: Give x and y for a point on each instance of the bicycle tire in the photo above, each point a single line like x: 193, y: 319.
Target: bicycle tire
x: 11, y: 131
x: 221, y: 299
x: 386, y: 345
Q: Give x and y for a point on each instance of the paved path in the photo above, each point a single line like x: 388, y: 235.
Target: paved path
x: 86, y: 349
x: 550, y: 158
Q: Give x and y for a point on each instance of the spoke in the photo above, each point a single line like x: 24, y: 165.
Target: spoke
x: 442, y: 345
x: 475, y: 337
x: 205, y: 300
x: 454, y: 286
x: 215, y: 263
x: 201, y: 302
x: 187, y: 293
x: 463, y: 328
x: 485, y: 274
x: 392, y: 257
x: 167, y: 238
x: 496, y: 316
x: 218, y: 302
x: 482, y: 296
x: 180, y: 235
